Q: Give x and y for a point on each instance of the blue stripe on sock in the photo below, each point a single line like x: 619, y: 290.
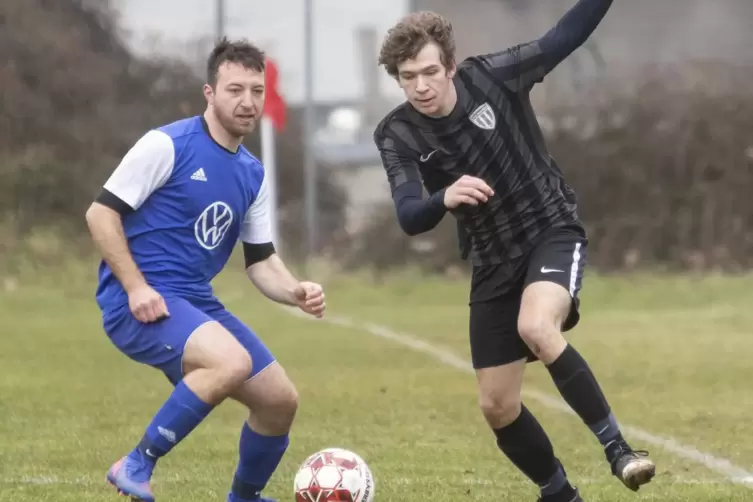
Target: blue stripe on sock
x: 555, y: 484
x: 606, y: 430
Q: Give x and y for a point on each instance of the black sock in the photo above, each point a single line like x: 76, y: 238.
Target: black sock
x: 528, y: 447
x: 578, y: 386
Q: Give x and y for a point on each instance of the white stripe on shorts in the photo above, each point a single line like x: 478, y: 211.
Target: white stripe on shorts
x: 574, y: 270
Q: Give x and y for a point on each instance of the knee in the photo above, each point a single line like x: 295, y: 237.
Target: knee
x: 500, y: 409
x: 286, y: 405
x: 278, y: 413
x: 533, y: 328
x: 540, y: 334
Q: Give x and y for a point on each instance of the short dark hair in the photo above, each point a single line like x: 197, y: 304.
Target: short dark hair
x: 240, y: 51
x: 411, y: 34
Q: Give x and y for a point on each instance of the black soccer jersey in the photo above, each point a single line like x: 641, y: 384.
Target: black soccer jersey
x: 492, y: 133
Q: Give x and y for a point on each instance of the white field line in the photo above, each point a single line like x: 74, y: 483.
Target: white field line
x: 719, y: 465
x: 470, y: 481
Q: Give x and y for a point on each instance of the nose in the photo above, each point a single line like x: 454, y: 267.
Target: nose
x: 247, y: 101
x: 421, y: 84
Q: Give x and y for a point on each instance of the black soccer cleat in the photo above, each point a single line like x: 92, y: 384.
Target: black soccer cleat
x: 632, y: 467
x: 566, y: 495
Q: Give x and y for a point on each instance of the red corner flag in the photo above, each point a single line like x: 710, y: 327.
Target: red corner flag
x: 274, y: 105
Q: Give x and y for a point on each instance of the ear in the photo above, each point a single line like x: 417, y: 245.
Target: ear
x: 208, y: 94
x: 451, y: 71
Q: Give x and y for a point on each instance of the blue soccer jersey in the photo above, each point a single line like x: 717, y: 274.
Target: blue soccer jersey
x: 192, y: 200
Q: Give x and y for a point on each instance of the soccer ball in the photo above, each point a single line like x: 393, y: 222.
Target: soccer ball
x: 334, y: 475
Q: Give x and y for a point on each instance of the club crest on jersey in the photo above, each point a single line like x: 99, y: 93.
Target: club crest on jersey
x: 483, y: 117
x: 213, y: 224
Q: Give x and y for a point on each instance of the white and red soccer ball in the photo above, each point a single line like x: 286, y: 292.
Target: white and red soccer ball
x: 334, y: 475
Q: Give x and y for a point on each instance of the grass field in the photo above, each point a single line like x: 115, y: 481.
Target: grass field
x: 673, y: 355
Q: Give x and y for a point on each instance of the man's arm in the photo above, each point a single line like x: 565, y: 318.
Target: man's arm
x: 106, y: 228
x: 146, y: 167
x: 415, y: 214
x: 264, y: 268
x: 524, y: 65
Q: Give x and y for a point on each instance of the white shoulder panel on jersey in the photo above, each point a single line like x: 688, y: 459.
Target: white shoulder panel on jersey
x: 257, y: 227
x: 145, y: 168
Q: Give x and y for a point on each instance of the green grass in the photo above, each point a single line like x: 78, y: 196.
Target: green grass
x: 672, y: 354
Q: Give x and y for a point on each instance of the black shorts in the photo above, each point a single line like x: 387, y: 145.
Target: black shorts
x: 497, y: 290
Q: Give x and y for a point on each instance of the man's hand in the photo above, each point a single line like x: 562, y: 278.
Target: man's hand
x: 310, y: 298
x: 147, y: 305
x: 467, y: 190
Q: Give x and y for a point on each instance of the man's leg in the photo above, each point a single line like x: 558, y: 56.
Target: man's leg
x: 214, y: 364
x: 499, y: 357
x: 272, y: 401
x: 549, y: 303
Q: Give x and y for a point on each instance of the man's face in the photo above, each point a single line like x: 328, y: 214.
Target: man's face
x: 237, y: 98
x: 426, y: 82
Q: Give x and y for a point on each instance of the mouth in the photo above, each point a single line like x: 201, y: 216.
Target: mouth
x: 249, y: 117
x: 424, y: 101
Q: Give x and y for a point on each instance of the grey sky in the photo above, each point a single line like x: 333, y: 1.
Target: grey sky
x: 277, y: 25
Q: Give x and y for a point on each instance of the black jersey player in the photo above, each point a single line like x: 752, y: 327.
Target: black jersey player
x: 467, y: 133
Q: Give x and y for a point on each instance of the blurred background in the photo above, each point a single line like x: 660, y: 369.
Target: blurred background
x: 651, y: 120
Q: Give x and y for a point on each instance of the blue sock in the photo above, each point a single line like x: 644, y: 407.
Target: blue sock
x: 180, y: 414
x: 259, y: 457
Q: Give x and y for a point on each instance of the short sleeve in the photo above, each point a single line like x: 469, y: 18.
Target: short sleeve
x: 257, y: 227
x: 143, y: 169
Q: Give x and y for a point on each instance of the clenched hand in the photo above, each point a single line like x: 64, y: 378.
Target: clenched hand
x: 467, y: 190
x: 147, y: 305
x: 310, y: 298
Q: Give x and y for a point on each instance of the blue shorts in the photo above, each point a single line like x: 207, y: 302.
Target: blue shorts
x: 160, y: 344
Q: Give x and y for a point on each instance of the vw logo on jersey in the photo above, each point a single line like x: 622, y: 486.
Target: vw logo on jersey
x: 213, y: 224
x: 483, y: 117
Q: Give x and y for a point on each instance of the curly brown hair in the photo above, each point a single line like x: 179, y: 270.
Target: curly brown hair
x: 411, y: 34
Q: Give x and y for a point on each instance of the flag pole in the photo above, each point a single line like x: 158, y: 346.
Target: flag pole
x: 272, y: 119
x: 269, y: 162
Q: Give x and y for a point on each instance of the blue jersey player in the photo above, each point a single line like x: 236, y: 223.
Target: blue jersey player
x: 166, y: 223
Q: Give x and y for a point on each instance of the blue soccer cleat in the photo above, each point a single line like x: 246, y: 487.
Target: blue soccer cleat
x: 130, y: 476
x: 233, y: 498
